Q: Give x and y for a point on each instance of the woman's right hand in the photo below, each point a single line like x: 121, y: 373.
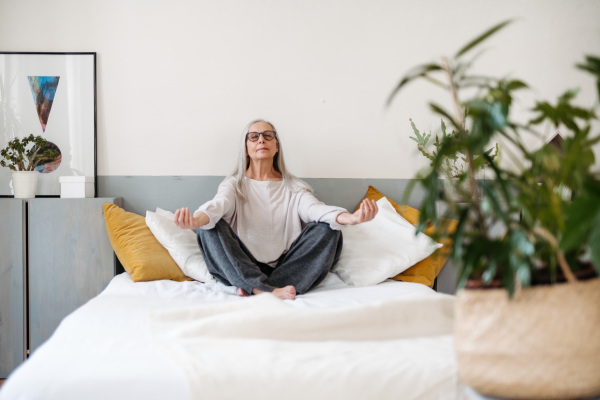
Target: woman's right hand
x: 185, y: 220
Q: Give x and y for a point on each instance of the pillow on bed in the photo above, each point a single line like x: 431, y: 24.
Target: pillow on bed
x: 181, y: 244
x: 427, y: 270
x: 142, y: 256
x: 382, y: 248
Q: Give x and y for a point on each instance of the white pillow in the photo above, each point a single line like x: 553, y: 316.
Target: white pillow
x: 381, y: 248
x: 181, y: 244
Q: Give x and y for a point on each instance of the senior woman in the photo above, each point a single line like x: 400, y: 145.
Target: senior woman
x: 265, y: 231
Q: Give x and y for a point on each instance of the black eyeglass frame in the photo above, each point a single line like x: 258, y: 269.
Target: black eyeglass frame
x: 263, y: 135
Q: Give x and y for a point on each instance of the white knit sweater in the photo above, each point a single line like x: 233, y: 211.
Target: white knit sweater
x: 271, y: 218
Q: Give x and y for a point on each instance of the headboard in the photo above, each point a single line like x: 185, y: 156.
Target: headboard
x: 141, y: 193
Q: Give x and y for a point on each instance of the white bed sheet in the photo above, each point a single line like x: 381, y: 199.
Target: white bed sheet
x: 104, y: 350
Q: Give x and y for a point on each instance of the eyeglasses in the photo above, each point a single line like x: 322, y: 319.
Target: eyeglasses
x: 267, y: 135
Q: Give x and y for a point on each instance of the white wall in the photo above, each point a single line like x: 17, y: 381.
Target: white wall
x: 179, y: 79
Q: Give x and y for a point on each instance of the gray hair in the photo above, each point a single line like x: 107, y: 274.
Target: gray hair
x: 243, y: 162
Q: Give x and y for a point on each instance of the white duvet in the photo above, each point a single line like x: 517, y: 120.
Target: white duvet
x: 171, y: 340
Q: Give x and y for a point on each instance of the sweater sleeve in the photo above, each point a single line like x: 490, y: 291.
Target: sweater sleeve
x: 221, y: 206
x: 312, y: 209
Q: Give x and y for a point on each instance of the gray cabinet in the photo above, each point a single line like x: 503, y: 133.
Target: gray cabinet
x: 70, y: 260
x: 13, y: 341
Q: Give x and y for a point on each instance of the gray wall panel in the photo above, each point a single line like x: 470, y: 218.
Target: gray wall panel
x: 141, y: 193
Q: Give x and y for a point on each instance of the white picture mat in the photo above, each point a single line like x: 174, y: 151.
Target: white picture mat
x: 71, y: 123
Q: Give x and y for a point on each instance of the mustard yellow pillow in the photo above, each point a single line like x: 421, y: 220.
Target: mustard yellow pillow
x: 142, y: 256
x: 427, y: 270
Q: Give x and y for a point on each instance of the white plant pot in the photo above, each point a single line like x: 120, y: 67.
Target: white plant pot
x: 24, y: 184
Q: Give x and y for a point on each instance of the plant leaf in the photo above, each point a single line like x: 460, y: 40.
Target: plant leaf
x: 516, y: 84
x: 417, y: 72
x: 494, y: 200
x: 524, y: 275
x: 439, y: 110
x: 482, y: 37
x: 580, y: 217
x: 592, y: 65
x: 595, y: 244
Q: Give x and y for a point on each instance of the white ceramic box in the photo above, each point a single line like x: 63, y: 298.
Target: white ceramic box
x: 76, y: 186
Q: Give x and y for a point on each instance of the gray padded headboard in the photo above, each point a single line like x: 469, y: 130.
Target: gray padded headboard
x: 141, y: 193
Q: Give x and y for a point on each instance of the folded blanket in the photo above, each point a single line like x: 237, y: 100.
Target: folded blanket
x: 262, y: 347
x: 266, y: 317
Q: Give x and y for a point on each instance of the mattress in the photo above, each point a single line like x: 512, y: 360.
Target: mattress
x: 108, y: 349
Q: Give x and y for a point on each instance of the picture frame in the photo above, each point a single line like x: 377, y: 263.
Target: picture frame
x: 52, y: 95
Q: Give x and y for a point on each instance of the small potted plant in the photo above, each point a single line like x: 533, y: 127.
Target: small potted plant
x: 528, y: 306
x: 22, y: 156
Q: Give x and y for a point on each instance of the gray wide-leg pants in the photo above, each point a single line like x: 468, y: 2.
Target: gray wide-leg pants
x: 309, y: 259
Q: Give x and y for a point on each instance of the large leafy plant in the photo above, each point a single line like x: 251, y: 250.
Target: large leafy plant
x: 516, y: 228
x: 25, y: 154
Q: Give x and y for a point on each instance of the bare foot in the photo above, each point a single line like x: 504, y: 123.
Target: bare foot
x: 285, y: 293
x: 242, y: 293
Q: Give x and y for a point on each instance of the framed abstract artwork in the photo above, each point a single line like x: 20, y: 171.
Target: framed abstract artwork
x: 51, y: 95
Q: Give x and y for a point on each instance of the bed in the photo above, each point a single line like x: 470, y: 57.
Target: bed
x: 353, y: 337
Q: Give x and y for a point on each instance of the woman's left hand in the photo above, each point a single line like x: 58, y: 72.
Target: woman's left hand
x: 366, y: 212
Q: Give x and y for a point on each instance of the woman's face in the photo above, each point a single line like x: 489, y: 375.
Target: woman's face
x: 261, y: 149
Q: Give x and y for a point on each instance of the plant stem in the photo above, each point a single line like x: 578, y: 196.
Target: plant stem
x: 461, y: 126
x: 454, y: 93
x: 562, y: 262
x: 32, y: 160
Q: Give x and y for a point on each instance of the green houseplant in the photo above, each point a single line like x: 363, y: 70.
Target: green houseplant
x: 22, y: 156
x: 517, y: 232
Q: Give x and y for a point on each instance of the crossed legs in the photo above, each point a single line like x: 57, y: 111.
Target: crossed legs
x: 309, y: 259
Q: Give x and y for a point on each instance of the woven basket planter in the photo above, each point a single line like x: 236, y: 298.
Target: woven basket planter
x: 542, y: 344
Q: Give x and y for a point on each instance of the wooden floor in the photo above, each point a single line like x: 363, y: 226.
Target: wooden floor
x: 1, y: 382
